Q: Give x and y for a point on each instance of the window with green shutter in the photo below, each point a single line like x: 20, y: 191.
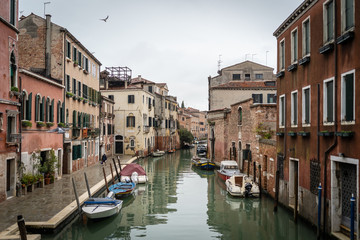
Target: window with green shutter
x: 74, y: 86
x: 42, y: 109
x: 68, y: 49
x: 74, y: 118
x: 63, y: 113
x: 74, y: 54
x: 58, y: 109
x: 79, y: 58
x: 28, y: 107
x: 52, y: 111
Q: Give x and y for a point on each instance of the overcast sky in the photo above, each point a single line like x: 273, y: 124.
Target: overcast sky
x: 173, y: 41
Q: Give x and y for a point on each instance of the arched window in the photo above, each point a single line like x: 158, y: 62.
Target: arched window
x: 47, y: 110
x: 37, y: 107
x: 240, y: 116
x: 51, y: 117
x: 13, y: 73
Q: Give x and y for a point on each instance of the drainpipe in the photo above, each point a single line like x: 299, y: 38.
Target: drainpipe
x: 327, y: 152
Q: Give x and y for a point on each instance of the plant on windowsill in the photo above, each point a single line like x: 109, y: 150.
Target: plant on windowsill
x: 49, y: 124
x: 303, y: 134
x: 264, y: 132
x: 75, y: 97
x: 345, y: 134
x: 85, y: 71
x: 280, y: 134
x: 69, y: 94
x: 60, y: 124
x: 85, y: 101
x: 326, y: 133
x: 26, y: 123
x: 292, y: 134
x: 81, y: 99
x: 76, y: 63
x: 40, y: 124
x: 14, y: 89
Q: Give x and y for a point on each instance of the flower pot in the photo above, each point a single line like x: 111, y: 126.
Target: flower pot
x: 47, y: 181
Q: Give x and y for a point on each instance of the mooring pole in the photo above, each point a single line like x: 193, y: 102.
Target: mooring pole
x: 87, y: 185
x: 352, y: 217
x: 119, y: 164
x: 319, y: 212
x: 277, y: 182
x: 112, y: 174
x: 259, y: 180
x: 296, y: 188
x: 248, y: 168
x: 106, y: 183
x: 254, y: 170
x: 76, y: 195
x: 21, y: 226
x: 117, y: 173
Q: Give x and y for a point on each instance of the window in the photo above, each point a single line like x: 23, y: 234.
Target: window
x: 247, y: 76
x: 132, y: 142
x: 79, y: 89
x: 236, y: 76
x: 150, y: 89
x: 347, y: 15
x: 294, y: 108
x: 68, y: 49
x: 74, y: 86
x: 80, y: 59
x: 47, y: 110
x: 348, y: 97
x: 259, y: 76
x: 258, y: 98
x: 271, y: 98
x: 328, y: 21
x: 84, y: 93
x: 166, y: 104
x: 131, y: 99
x: 13, y: 72
x: 68, y: 85
x: 240, y: 116
x: 27, y: 106
x: 282, y: 111
x: 74, y: 118
x: 74, y: 54
x: 328, y: 112
x: 294, y: 46
x: 76, y: 152
x: 111, y: 97
x: 306, y: 105
x: 86, y: 64
x: 150, y: 121
x: 306, y: 37
x: 11, y: 128
x: 130, y: 121
x: 109, y: 129
x: 282, y: 55
x: 12, y: 12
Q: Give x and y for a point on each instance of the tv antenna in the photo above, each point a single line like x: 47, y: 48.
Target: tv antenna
x: 45, y: 6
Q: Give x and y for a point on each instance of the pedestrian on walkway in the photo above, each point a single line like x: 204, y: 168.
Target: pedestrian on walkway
x: 103, y: 158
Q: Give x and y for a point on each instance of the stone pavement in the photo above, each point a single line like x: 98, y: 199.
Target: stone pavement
x: 44, y: 203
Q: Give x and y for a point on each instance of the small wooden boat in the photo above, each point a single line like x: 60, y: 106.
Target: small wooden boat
x: 135, y: 172
x: 122, y: 189
x: 171, y: 151
x: 202, y: 163
x: 242, y: 186
x: 227, y: 169
x: 158, y: 153
x: 96, y: 208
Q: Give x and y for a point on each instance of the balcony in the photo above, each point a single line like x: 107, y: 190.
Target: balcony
x: 146, y: 129
x: 13, y: 138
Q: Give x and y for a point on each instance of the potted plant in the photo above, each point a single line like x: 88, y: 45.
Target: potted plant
x: 304, y: 134
x: 26, y: 123
x: 14, y: 89
x: 76, y: 63
x: 49, y: 166
x: 40, y: 124
x: 326, y: 133
x: 280, y: 134
x: 345, y: 134
x: 49, y: 124
x: 292, y: 134
x: 60, y: 124
x: 69, y: 94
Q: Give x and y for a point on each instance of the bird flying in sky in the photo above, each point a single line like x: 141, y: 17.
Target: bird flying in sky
x: 105, y: 19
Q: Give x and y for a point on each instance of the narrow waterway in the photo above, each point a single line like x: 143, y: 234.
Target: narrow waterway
x: 180, y: 202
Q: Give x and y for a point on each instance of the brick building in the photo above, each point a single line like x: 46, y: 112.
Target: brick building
x: 52, y: 51
x: 9, y: 98
x: 318, y: 121
x: 107, y: 117
x: 194, y: 121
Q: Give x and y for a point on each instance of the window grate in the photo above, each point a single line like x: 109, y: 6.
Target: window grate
x: 314, y: 175
x: 280, y: 165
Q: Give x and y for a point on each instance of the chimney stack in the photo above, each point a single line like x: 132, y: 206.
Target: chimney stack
x: 48, y: 46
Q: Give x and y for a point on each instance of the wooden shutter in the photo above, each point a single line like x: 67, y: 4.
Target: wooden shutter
x: 36, y: 108
x: 349, y: 97
x: 52, y: 111
x: 42, y: 110
x: 63, y: 113
x: 307, y: 105
x: 74, y: 118
x: 28, y: 107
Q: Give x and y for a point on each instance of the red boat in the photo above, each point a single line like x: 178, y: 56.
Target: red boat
x: 228, y: 168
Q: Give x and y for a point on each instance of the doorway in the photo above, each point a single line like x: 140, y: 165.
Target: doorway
x: 119, y: 144
x: 293, y: 180
x: 10, y: 177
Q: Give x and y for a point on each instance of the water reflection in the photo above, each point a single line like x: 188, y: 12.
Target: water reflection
x: 179, y: 202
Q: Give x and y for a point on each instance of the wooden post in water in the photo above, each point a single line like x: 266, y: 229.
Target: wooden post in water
x: 260, y: 180
x: 277, y: 182
x: 254, y: 169
x: 87, y: 185
x: 76, y: 195
x: 117, y: 173
x: 106, y: 183
x: 21, y: 226
x: 112, y: 174
x: 296, y: 188
x: 119, y: 164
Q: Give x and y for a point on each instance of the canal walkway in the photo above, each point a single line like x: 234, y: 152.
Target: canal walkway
x: 55, y: 201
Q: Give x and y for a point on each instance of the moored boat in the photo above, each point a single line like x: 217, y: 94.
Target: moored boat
x: 96, y: 208
x: 129, y: 172
x: 227, y: 169
x: 242, y: 186
x: 122, y: 189
x: 202, y: 163
x: 171, y: 151
x: 158, y: 153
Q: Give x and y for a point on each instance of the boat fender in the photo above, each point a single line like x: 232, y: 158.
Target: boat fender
x: 248, y: 187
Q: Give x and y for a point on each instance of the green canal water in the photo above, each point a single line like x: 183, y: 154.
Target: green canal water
x: 180, y: 202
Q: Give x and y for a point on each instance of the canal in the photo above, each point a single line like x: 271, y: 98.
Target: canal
x: 179, y: 202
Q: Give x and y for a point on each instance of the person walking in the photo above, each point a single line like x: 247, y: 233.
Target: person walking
x: 103, y: 158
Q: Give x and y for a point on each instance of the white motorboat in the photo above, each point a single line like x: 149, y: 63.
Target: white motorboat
x: 227, y: 169
x: 242, y: 186
x: 96, y: 208
x: 158, y: 153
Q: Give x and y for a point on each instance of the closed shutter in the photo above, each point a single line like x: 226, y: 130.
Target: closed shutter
x: 330, y: 101
x: 52, y: 111
x: 58, y: 112
x: 63, y: 113
x: 349, y: 97
x: 42, y: 109
x: 74, y: 118
x: 307, y: 106
x: 260, y: 98
x: 28, y: 107
x: 37, y: 108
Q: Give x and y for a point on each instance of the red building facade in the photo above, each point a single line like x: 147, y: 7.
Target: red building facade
x: 318, y: 114
x: 9, y: 98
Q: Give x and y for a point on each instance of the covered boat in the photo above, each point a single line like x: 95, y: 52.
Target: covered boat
x: 130, y: 170
x: 227, y: 169
x: 158, y: 153
x: 202, y: 163
x: 96, y: 208
x: 201, y: 150
x: 122, y: 189
x: 242, y: 186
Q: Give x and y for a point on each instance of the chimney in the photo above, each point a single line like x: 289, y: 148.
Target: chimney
x: 139, y: 77
x: 48, y: 46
